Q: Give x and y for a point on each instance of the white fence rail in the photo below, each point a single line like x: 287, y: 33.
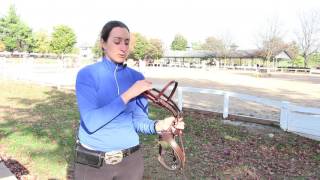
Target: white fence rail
x: 297, y: 119
x: 301, y: 120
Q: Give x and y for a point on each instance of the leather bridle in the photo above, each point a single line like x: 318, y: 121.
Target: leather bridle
x: 168, y: 137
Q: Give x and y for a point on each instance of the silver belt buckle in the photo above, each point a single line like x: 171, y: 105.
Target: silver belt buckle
x: 113, y: 157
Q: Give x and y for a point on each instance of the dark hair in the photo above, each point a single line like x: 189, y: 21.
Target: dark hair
x: 107, y: 28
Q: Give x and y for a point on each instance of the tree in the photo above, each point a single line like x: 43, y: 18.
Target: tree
x: 154, y: 49
x: 42, y: 42
x: 132, y: 42
x: 14, y: 33
x: 140, y: 46
x: 308, y: 37
x: 96, y: 49
x: 2, y: 46
x: 271, y: 40
x: 179, y: 43
x: 213, y: 44
x: 271, y: 47
x: 196, y: 45
x: 314, y: 60
x: 63, y: 39
x: 292, y: 49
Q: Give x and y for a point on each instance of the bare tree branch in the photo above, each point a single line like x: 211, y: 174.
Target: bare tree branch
x: 270, y: 41
x: 308, y: 37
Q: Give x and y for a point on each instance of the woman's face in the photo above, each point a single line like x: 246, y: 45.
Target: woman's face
x: 117, y: 46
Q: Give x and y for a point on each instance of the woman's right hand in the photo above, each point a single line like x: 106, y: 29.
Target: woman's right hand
x: 136, y: 89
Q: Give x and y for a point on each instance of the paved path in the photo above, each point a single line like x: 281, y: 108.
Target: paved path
x: 5, y: 173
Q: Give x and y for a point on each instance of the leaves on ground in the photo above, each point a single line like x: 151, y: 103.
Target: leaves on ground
x: 218, y: 151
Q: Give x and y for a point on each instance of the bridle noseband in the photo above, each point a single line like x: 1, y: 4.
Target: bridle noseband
x: 167, y: 138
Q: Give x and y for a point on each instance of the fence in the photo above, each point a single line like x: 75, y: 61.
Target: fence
x: 301, y: 120
x: 240, y: 68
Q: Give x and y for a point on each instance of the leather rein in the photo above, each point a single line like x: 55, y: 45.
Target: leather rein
x: 169, y: 136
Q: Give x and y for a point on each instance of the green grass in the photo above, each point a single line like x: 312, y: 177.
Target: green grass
x: 37, y: 128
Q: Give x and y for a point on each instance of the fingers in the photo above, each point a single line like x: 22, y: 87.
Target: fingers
x: 144, y: 85
x: 141, y: 86
x: 165, y: 124
x: 147, y: 81
x: 169, y: 120
x: 136, y: 89
x: 180, y: 125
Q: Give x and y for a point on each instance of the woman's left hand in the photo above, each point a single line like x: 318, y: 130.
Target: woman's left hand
x: 165, y: 124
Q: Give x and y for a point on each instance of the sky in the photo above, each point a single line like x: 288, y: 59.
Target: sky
x: 239, y: 21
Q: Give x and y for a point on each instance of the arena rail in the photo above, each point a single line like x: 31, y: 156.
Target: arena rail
x: 297, y: 119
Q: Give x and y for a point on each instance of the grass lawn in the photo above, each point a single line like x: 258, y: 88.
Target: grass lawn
x: 37, y: 130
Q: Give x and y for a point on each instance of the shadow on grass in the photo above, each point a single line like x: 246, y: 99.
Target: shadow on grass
x: 44, y: 131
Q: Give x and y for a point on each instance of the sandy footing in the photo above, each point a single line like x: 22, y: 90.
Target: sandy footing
x: 300, y: 89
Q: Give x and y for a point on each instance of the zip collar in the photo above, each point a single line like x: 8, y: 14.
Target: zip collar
x: 113, y: 66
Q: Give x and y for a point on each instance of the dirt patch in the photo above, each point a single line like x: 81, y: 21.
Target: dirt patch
x: 254, y: 128
x: 301, y: 89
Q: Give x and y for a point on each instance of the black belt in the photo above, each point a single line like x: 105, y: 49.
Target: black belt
x: 95, y: 158
x: 127, y: 152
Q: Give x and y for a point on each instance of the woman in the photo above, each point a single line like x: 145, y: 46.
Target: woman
x: 113, y: 112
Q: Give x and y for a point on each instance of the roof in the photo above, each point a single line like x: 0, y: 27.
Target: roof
x: 284, y: 55
x: 253, y: 53
x: 188, y: 54
x: 210, y: 54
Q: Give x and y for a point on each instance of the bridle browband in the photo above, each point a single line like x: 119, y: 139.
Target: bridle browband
x: 169, y: 136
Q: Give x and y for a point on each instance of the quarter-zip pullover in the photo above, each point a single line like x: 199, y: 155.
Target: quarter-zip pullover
x: 106, y: 122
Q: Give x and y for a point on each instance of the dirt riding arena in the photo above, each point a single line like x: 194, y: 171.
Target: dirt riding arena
x: 300, y: 89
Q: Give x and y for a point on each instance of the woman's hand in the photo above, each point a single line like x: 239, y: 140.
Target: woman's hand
x: 136, y: 89
x: 165, y: 124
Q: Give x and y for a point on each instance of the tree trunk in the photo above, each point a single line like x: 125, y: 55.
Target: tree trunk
x: 305, y: 60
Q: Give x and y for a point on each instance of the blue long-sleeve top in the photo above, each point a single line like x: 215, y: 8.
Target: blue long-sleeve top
x: 106, y: 122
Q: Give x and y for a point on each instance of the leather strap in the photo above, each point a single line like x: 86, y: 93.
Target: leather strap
x: 161, y: 99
